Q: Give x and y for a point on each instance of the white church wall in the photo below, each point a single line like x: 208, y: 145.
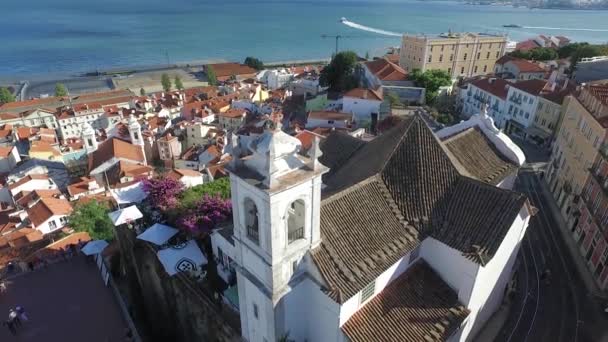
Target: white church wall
x: 256, y: 311
x: 493, y: 278
x: 456, y: 270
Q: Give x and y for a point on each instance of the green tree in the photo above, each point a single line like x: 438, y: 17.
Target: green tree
x: 60, y: 90
x: 431, y: 80
x: 255, y: 63
x: 367, y: 55
x: 165, y: 81
x: 92, y: 217
x: 338, y: 75
x: 6, y: 96
x: 192, y: 195
x: 537, y: 54
x: 142, y: 91
x: 569, y: 50
x: 178, y: 83
x: 211, y: 78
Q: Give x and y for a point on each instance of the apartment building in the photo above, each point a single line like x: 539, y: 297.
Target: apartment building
x: 582, y: 133
x: 460, y: 54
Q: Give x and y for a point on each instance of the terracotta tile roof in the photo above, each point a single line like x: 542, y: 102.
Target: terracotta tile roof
x: 26, y: 179
x: 525, y: 66
x: 406, y: 175
x: 386, y: 70
x: 54, y: 102
x: 43, y: 146
x: 20, y: 238
x: 133, y: 170
x: 8, y: 223
x: 115, y: 147
x: 234, y: 113
x: 217, y: 170
x: 8, y: 116
x: 82, y: 185
x: 229, y: 69
x: 24, y: 133
x: 46, y: 208
x: 365, y: 94
x: 347, y: 264
x: 559, y: 94
x: 6, y: 151
x: 5, y: 133
x: 527, y: 45
x: 327, y: 115
x: 25, y: 197
x: 306, y: 138
x: 417, y: 306
x: 533, y: 87
x: 478, y: 157
x: 495, y: 86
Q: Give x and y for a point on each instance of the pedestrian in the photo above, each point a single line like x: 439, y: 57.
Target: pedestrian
x: 30, y: 266
x: 14, y: 317
x: 11, y: 327
x: 21, y: 314
x: 2, y: 287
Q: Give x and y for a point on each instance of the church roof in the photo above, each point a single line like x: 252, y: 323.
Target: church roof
x: 417, y: 306
x: 404, y: 183
x: 477, y: 157
x: 115, y: 147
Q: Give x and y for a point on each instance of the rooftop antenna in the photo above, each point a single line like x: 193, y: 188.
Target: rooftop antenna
x: 337, y: 37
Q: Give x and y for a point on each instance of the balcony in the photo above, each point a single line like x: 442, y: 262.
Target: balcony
x: 253, y: 233
x: 295, y: 234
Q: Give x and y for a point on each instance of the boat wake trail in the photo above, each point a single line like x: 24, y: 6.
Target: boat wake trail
x: 565, y: 28
x: 370, y: 29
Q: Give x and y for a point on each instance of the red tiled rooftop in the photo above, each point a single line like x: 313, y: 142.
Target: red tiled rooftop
x: 533, y: 87
x: 5, y: 151
x: 386, y: 70
x: 229, y: 69
x: 365, y: 94
x: 495, y: 86
x: 46, y: 208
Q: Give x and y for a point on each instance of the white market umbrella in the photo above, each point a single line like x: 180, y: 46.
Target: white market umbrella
x: 181, y: 258
x: 130, y: 194
x: 94, y: 247
x: 125, y: 215
x: 158, y: 234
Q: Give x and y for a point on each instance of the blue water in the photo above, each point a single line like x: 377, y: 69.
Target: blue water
x: 58, y: 36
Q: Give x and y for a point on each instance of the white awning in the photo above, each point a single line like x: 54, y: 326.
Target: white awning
x: 94, y: 247
x: 125, y: 215
x: 158, y: 234
x: 129, y: 194
x: 181, y: 258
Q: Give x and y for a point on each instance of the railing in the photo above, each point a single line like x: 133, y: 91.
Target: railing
x: 295, y: 234
x: 253, y: 233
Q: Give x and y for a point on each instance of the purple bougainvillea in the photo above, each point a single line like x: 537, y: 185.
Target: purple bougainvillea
x: 163, y: 192
x: 207, y: 214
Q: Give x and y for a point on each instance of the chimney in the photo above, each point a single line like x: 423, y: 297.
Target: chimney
x: 315, y: 153
x: 92, y: 185
x: 492, y: 80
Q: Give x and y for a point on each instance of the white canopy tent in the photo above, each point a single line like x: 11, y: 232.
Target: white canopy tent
x: 125, y: 215
x: 129, y: 194
x: 181, y: 258
x: 158, y: 234
x: 94, y: 247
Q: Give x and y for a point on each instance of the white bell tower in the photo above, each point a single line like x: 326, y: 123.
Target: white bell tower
x: 276, y: 198
x: 88, y: 136
x: 135, y: 134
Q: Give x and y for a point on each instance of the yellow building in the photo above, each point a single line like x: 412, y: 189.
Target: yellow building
x: 582, y: 133
x: 550, y: 110
x: 460, y: 54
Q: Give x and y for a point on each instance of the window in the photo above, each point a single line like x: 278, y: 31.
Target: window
x: 475, y: 69
x: 368, y: 292
x: 441, y: 47
x: 441, y: 58
x: 527, y: 115
x: 52, y: 224
x: 497, y: 54
x: 485, y: 68
x: 488, y: 55
x: 478, y: 55
x: 431, y: 48
x: 450, y: 71
x: 63, y: 219
x: 255, y: 311
x: 295, y: 220
x: 430, y: 58
x: 251, y: 220
x: 510, y: 109
x: 451, y: 58
x: 596, y: 203
x: 462, y: 70
x: 453, y: 47
x: 465, y: 57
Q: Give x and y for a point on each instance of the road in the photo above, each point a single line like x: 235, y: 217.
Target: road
x: 555, y: 307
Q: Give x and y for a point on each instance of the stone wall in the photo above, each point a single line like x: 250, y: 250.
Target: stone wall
x: 172, y: 308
